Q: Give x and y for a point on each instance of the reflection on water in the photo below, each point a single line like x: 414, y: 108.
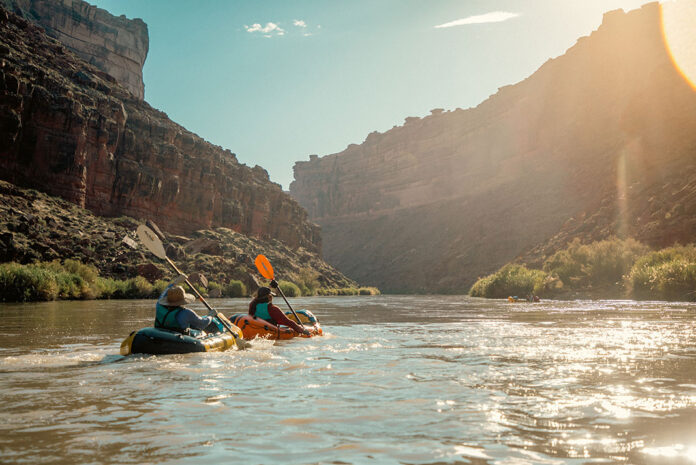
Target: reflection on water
x: 413, y: 380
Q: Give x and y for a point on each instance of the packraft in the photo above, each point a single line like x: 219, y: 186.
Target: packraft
x: 252, y: 327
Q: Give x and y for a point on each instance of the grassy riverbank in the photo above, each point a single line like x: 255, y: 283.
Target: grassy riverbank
x: 73, y: 280
x: 610, y: 268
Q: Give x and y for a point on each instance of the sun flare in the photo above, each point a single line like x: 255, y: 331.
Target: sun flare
x: 678, y: 20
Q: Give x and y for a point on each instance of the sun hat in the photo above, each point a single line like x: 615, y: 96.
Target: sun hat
x: 176, y: 296
x: 264, y: 291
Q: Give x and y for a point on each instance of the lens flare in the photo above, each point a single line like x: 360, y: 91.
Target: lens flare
x: 679, y: 31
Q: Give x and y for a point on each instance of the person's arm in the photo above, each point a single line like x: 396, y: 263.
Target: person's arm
x: 280, y: 318
x: 189, y: 319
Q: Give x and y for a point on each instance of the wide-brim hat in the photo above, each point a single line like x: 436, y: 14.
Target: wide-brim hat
x: 176, y: 296
x: 264, y: 291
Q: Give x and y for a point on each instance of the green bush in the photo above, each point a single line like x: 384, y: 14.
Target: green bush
x: 289, y: 289
x: 342, y: 291
x: 327, y: 291
x: 212, y: 287
x: 159, y: 286
x: 668, y: 274
x: 368, y: 291
x: 88, y: 273
x: 70, y: 286
x: 509, y: 280
x: 304, y: 290
x: 106, y: 287
x: 308, y: 281
x: 235, y: 288
x: 600, y: 263
x: 133, y: 288
x: 27, y: 283
x: 139, y: 288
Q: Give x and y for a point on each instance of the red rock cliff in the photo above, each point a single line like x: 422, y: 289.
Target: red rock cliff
x: 71, y: 130
x: 116, y: 45
x: 433, y: 204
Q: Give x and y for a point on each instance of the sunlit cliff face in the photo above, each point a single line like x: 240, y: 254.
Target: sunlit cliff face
x: 679, y: 30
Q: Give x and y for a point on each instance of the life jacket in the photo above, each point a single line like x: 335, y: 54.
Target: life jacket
x: 263, y: 313
x: 165, y: 318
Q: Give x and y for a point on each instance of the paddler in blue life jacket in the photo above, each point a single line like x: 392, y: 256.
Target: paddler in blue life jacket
x: 262, y: 307
x: 173, y: 316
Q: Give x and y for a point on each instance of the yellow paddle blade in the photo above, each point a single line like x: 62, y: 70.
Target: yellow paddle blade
x: 264, y: 267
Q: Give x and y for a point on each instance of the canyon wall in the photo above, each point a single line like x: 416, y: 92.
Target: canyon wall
x: 71, y: 130
x: 597, y: 142
x: 115, y: 45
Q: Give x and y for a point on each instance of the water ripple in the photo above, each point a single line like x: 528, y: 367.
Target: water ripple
x: 408, y: 380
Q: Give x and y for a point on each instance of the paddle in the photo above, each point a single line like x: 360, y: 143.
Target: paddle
x: 266, y: 270
x: 153, y: 243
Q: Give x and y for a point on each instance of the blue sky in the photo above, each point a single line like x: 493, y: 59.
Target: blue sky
x: 277, y: 80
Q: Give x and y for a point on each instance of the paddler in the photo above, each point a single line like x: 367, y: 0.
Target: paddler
x: 262, y: 307
x: 171, y: 313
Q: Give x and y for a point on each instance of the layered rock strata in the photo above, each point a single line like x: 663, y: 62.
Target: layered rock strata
x: 115, y: 45
x: 71, y: 130
x: 434, y: 204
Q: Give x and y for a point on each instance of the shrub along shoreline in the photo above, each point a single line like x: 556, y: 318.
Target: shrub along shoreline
x: 622, y: 268
x: 73, y: 280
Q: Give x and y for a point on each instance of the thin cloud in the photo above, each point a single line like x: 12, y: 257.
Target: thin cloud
x: 299, y: 23
x: 493, y: 17
x: 269, y: 30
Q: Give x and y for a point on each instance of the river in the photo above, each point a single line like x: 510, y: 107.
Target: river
x: 395, y: 380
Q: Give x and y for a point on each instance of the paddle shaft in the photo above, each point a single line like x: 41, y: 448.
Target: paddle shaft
x: 291, y: 309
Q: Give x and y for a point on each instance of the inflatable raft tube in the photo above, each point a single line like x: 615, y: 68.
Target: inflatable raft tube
x: 163, y: 341
x: 256, y: 327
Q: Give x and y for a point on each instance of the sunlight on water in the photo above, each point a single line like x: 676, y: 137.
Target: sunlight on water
x: 678, y: 26
x: 413, y: 380
x: 671, y: 452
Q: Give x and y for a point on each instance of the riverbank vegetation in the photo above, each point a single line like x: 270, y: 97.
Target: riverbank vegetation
x: 350, y: 291
x: 509, y: 280
x: 68, y: 280
x: 610, y: 268
x: 73, y: 280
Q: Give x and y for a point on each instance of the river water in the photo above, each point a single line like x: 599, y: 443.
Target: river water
x: 407, y: 380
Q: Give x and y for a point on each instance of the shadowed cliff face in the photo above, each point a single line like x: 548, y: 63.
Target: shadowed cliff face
x: 70, y: 130
x: 433, y: 204
x: 115, y: 45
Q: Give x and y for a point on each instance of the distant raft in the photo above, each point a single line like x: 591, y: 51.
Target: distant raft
x: 157, y: 341
x: 253, y: 327
x: 514, y: 298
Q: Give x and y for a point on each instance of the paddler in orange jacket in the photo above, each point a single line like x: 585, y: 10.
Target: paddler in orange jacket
x: 262, y: 307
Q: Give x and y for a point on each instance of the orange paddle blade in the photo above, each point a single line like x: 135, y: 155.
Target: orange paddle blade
x: 264, y: 267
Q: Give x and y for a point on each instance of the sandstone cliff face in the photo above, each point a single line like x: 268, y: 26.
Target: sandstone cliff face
x: 115, y: 45
x: 433, y: 204
x: 71, y: 130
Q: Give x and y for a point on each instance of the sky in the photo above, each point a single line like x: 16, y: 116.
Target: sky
x: 277, y: 80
